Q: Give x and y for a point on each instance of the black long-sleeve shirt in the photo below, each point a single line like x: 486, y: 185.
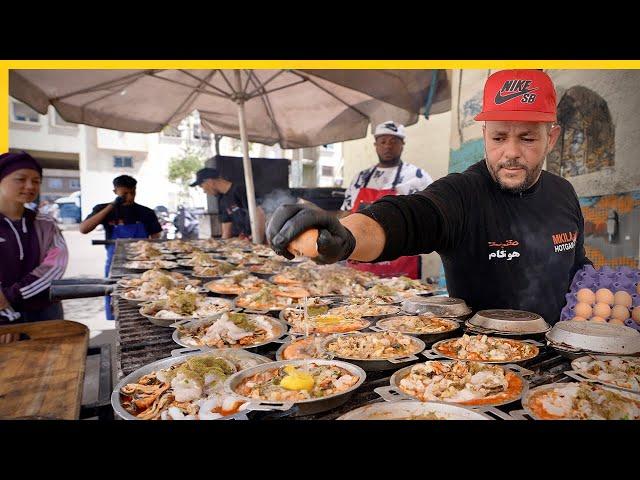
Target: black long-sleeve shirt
x: 498, y: 249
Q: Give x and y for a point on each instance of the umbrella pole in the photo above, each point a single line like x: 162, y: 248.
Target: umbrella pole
x: 246, y: 163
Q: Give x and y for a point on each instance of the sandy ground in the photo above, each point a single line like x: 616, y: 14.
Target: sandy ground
x: 87, y: 261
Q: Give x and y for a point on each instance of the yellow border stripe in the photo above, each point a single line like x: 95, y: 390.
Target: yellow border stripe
x: 320, y: 64
x: 4, y: 111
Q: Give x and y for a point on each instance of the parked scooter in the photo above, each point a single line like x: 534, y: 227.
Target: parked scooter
x: 166, y: 220
x: 187, y: 223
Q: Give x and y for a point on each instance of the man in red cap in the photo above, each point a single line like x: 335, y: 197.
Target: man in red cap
x: 509, y: 234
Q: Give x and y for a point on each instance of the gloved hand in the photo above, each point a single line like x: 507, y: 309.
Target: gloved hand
x: 119, y: 200
x: 335, y: 242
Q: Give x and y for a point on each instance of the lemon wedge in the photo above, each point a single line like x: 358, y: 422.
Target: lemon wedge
x: 296, y: 380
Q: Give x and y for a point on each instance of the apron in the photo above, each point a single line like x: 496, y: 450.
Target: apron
x: 408, y: 266
x: 134, y: 230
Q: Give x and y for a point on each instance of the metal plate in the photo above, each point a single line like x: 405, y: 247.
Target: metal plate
x: 163, y: 256
x: 375, y: 365
x: 346, y: 300
x: 140, y: 301
x: 167, y: 322
x: 395, y: 379
x: 279, y: 327
x: 409, y: 409
x: 262, y: 275
x: 261, y: 312
x: 509, y: 321
x: 594, y: 337
x: 471, y: 330
x: 584, y: 376
x: 304, y: 407
x: 281, y: 316
x: 526, y: 398
x: 392, y: 310
x: 427, y: 337
x: 435, y: 351
x: 438, y: 306
x: 283, y: 347
x: 168, y: 362
x: 151, y: 267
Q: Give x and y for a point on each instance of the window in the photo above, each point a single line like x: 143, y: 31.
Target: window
x: 23, y: 113
x: 58, y: 121
x: 123, y: 162
x: 171, y: 131
x: 55, y: 183
x: 74, y: 183
x: 198, y: 134
x: 327, y: 171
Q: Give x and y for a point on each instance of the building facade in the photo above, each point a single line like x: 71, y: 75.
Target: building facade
x: 86, y: 159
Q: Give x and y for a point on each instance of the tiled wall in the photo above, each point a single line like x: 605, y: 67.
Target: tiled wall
x: 624, y: 250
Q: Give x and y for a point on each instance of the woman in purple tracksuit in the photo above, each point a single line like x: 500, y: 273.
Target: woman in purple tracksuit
x: 32, y: 249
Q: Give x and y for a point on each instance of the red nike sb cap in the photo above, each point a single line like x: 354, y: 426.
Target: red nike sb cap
x: 519, y: 95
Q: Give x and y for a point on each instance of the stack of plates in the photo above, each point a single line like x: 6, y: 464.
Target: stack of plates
x: 439, y: 306
x: 507, y: 322
x: 574, y: 339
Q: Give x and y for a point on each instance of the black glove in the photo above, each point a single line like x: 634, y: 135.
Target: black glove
x: 335, y: 242
x: 118, y: 201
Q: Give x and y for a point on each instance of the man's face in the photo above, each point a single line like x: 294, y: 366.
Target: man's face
x: 515, y: 151
x: 129, y: 194
x: 389, y: 148
x: 210, y: 186
x: 21, y: 186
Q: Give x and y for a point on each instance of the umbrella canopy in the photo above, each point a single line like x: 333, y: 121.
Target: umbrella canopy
x: 295, y: 108
x: 305, y: 108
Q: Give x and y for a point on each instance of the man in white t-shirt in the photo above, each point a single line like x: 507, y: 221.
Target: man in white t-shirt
x: 389, y: 143
x: 391, y: 176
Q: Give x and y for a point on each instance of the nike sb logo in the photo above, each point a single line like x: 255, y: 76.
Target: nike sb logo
x: 516, y: 88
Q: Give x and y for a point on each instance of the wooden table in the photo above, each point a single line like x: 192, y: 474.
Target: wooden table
x: 41, y: 376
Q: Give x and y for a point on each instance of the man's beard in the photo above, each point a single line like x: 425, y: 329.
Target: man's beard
x: 530, y: 178
x: 392, y: 162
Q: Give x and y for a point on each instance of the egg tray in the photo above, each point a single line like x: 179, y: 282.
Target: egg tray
x: 615, y: 279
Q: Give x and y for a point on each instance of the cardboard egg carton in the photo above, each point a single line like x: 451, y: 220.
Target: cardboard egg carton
x: 615, y: 279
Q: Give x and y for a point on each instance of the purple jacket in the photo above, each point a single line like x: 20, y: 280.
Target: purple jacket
x: 32, y: 254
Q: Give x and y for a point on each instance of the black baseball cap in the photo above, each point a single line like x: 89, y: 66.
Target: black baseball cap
x: 203, y: 174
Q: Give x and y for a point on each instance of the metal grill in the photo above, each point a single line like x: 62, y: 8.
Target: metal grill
x: 139, y: 342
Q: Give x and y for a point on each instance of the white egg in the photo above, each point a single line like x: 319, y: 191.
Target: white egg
x: 619, y: 312
x: 585, y: 295
x: 583, y: 310
x: 622, y: 298
x: 602, y: 310
x: 604, y: 295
